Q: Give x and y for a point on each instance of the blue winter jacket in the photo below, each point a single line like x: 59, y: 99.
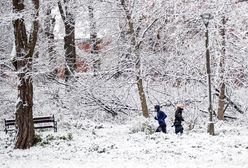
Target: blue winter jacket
x: 161, y: 116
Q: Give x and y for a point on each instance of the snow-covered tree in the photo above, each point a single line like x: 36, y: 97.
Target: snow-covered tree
x: 66, y: 8
x: 25, y: 46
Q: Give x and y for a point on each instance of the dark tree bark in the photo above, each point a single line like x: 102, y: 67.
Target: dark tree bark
x: 49, y: 32
x: 49, y: 25
x: 93, y: 38
x: 23, y: 65
x: 69, y: 38
x: 222, y: 70
x: 93, y: 34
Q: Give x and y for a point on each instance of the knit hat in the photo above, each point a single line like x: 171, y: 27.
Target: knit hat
x: 180, y: 106
x: 157, y: 107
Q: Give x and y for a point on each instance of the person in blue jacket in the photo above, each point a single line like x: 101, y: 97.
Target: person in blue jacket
x: 161, y: 116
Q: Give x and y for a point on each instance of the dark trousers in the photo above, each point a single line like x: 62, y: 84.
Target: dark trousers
x: 179, y: 128
x: 161, y: 128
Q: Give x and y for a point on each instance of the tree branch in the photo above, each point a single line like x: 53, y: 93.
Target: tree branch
x: 62, y: 13
x: 35, y: 28
x: 144, y: 32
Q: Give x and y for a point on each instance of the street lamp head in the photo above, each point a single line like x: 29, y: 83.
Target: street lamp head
x: 206, y: 17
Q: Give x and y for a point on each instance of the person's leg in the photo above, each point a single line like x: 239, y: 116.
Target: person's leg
x: 176, y: 129
x: 158, y: 129
x: 181, y: 130
x: 163, y: 128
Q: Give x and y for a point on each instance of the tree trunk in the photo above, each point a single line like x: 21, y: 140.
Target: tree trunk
x: 24, y: 113
x: 136, y: 52
x: 49, y: 36
x: 93, y: 39
x: 69, y: 39
x: 49, y: 29
x: 140, y: 86
x: 70, y: 50
x: 221, y: 104
x: 23, y: 65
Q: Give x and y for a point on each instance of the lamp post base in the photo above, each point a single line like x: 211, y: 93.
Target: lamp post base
x: 211, y: 128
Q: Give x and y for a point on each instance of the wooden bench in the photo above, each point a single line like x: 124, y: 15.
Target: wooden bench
x: 10, y: 124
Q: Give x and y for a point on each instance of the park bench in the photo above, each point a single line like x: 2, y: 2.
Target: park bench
x: 39, y: 123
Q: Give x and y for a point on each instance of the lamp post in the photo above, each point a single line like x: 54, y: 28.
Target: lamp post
x: 206, y: 18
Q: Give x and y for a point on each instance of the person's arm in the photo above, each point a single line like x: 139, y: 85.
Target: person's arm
x: 164, y: 116
x: 180, y: 116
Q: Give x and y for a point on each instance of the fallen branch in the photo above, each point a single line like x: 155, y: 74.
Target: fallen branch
x: 234, y: 118
x: 230, y: 102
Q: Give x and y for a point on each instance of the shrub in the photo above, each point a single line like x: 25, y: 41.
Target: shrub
x: 143, y: 125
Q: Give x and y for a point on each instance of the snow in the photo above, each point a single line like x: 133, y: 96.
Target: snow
x: 175, y: 75
x: 124, y: 146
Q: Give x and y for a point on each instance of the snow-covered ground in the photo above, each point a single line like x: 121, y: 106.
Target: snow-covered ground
x: 125, y: 146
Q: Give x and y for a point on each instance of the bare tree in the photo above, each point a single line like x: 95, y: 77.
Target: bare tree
x: 222, y: 70
x: 69, y: 38
x: 136, y: 40
x: 93, y: 37
x: 49, y: 31
x: 23, y: 64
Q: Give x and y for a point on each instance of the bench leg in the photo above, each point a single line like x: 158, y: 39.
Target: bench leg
x: 55, y: 126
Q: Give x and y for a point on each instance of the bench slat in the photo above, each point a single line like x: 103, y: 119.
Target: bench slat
x: 9, y: 120
x: 43, y: 121
x: 9, y: 124
x: 41, y: 127
x: 43, y: 118
x: 35, y: 121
